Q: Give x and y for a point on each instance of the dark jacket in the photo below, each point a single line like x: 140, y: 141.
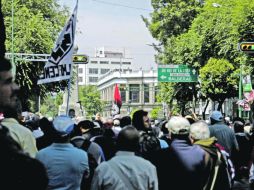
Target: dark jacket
x: 181, y: 166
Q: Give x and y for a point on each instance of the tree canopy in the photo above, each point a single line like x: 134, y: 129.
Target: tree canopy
x: 90, y: 100
x: 210, y: 35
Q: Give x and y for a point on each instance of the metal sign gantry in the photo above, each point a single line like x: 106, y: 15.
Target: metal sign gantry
x: 82, y: 58
x: 28, y: 57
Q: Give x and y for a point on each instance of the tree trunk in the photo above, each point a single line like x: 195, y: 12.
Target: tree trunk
x: 220, y: 105
x: 183, y: 108
x: 203, y: 112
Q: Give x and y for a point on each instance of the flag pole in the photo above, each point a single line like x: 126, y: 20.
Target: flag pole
x: 68, y: 94
x: 69, y: 81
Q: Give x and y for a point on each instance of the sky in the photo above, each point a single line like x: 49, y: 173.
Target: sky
x: 116, y: 24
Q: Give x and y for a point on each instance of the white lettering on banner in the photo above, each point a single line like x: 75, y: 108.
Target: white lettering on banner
x: 55, y: 73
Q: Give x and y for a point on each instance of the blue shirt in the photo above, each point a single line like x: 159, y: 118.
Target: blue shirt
x: 163, y: 143
x: 225, y: 136
x: 65, y: 165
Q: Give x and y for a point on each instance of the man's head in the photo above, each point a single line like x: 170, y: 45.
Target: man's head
x: 8, y: 88
x: 126, y: 120
x: 98, y: 116
x: 63, y: 126
x: 199, y: 130
x: 238, y: 127
x: 216, y: 116
x: 178, y: 125
x: 14, y: 111
x: 140, y: 120
x: 86, y: 125
x: 71, y: 113
x: 128, y: 139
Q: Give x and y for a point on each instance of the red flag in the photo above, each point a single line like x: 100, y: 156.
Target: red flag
x: 117, y: 97
x: 117, y: 102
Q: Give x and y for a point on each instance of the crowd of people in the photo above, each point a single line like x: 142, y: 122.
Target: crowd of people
x: 124, y: 152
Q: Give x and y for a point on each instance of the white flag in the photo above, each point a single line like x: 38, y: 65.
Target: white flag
x: 59, y: 64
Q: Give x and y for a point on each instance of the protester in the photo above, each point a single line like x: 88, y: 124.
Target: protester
x: 48, y: 134
x: 125, y: 170
x: 222, y: 132
x: 242, y: 158
x: 182, y: 165
x: 148, y: 141
x: 81, y: 138
x: 18, y: 170
x: 66, y: 165
x: 219, y: 176
x: 126, y: 120
x: 22, y: 135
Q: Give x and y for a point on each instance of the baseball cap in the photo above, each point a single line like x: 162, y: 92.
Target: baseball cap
x: 217, y: 116
x: 63, y: 124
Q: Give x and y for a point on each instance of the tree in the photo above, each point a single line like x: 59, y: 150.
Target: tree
x: 171, y: 18
x: 36, y: 26
x: 211, y: 33
x: 155, y: 113
x: 218, y: 85
x: 51, y: 103
x: 90, y: 100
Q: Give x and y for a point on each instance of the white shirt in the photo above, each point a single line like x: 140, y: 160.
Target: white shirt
x: 140, y: 172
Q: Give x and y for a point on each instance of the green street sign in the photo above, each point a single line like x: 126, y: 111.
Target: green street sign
x: 177, y: 73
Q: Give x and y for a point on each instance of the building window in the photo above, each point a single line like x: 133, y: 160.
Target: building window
x: 103, y: 71
x: 146, y: 93
x: 80, y: 70
x: 126, y: 63
x: 93, y: 71
x: 93, y: 79
x: 94, y: 62
x: 115, y: 62
x: 134, y: 93
x: 80, y: 79
x: 103, y: 62
x: 122, y: 89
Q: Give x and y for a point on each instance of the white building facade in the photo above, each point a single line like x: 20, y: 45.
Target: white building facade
x: 105, y: 59
x: 138, y: 90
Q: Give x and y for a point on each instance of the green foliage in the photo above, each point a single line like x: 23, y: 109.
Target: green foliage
x: 210, y: 32
x: 90, y: 100
x: 171, y: 17
x: 50, y: 104
x: 166, y: 91
x: 36, y: 27
x: 154, y: 114
x: 218, y: 85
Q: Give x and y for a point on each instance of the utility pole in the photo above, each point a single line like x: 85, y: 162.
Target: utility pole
x: 240, y: 91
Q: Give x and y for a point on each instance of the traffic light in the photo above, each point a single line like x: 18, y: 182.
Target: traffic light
x: 247, y: 47
x: 80, y: 59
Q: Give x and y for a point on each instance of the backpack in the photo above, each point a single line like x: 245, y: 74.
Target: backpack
x: 86, y: 182
x: 148, y: 142
x: 228, y: 164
